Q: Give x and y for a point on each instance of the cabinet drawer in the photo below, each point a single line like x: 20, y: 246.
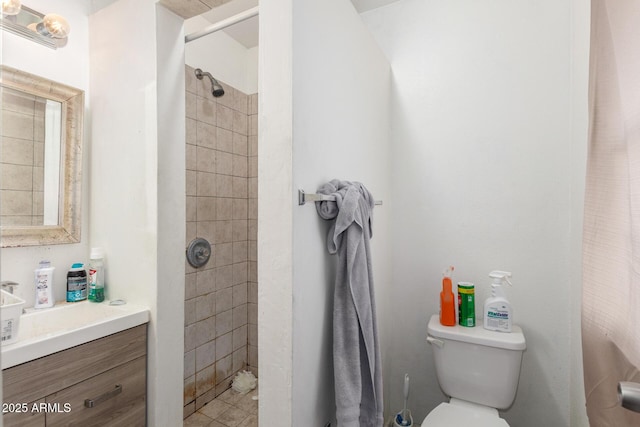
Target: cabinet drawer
x: 41, y: 377
x: 118, y: 398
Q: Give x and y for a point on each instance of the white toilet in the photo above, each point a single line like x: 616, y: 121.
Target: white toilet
x: 478, y: 369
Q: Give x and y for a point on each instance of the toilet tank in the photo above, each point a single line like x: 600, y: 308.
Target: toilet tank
x: 475, y: 364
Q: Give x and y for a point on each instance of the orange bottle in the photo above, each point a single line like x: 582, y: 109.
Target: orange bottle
x: 447, y: 300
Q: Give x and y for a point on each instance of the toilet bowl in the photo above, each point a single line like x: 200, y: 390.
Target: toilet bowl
x: 478, y: 369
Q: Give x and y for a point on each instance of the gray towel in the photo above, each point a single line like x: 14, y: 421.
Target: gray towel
x: 356, y: 352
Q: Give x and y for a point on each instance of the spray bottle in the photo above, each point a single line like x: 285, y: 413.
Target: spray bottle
x: 498, y: 314
x: 447, y: 300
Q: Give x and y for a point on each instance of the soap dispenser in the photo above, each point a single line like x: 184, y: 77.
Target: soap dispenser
x: 498, y: 314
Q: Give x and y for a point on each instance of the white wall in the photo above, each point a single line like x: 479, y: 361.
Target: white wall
x: 68, y: 65
x: 341, y: 130
x: 486, y: 164
x: 222, y: 56
x: 137, y: 179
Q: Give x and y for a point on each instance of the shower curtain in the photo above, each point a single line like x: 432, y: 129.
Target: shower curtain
x: 611, y: 245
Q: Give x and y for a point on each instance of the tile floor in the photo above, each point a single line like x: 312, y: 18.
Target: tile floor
x: 230, y: 409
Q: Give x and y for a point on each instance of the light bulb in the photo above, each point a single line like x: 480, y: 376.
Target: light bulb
x: 54, y: 26
x: 11, y: 7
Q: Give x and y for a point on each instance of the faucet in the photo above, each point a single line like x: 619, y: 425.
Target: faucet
x: 9, y: 285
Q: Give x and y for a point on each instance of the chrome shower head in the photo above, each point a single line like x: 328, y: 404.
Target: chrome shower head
x: 216, y: 88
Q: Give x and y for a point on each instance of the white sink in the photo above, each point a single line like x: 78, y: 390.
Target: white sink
x: 47, y: 331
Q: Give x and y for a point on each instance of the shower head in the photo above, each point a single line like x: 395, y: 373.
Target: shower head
x: 216, y: 88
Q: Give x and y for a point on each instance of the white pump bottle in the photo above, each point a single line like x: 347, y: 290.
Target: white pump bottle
x: 498, y: 314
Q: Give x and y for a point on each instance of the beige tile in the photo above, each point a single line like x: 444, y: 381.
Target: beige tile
x: 190, y: 286
x: 206, y: 184
x: 191, y: 157
x: 252, y: 235
x: 241, y: 102
x: 240, y: 253
x: 206, y: 135
x: 252, y: 313
x: 224, y: 185
x: 225, y: 140
x: 240, y: 123
x: 189, y: 390
x: 191, y: 183
x: 253, y: 125
x: 224, y: 300
x: 253, y: 104
x: 205, y: 282
x: 229, y: 95
x: 224, y: 208
x: 253, y: 355
x: 223, y: 370
x: 206, y: 230
x: 205, y: 330
x: 205, y: 380
x: 239, y: 294
x: 240, y: 318
x: 253, y: 145
x: 252, y: 292
x: 224, y: 326
x: 206, y: 208
x: 231, y: 397
x: 18, y: 102
x: 206, y: 159
x: 240, y: 209
x: 239, y: 187
x: 224, y: 163
x: 225, y: 117
x: 190, y: 234
x: 253, y: 209
x: 191, y: 207
x: 253, y: 271
x: 190, y: 311
x: 240, y: 144
x: 206, y: 111
x: 240, y: 166
x: 252, y: 171
x: 240, y: 230
x: 224, y: 277
x: 190, y: 337
x: 239, y: 337
x: 215, y: 408
x: 189, y: 408
x: 203, y: 310
x: 240, y: 359
x: 252, y: 334
x: 232, y: 417
x: 38, y: 153
x: 252, y: 184
x: 191, y: 105
x: 37, y: 179
x: 250, y: 421
x: 189, y: 364
x: 191, y: 134
x: 205, y: 398
x: 239, y: 273
x: 205, y: 355
x: 224, y: 234
x: 248, y: 404
x: 224, y: 252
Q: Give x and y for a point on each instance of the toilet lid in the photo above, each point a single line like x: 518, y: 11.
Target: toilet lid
x: 447, y: 415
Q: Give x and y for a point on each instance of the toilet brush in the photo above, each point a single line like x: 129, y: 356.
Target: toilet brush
x: 403, y: 418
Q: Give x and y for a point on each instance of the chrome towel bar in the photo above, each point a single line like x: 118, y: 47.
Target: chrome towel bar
x: 314, y: 197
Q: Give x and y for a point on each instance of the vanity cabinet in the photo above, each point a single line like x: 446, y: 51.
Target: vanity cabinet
x: 100, y: 383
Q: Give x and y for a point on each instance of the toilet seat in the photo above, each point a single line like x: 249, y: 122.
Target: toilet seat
x: 458, y: 413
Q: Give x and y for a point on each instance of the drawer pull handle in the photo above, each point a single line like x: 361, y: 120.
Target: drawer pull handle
x: 90, y: 403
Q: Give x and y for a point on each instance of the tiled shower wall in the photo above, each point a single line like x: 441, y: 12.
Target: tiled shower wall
x: 221, y: 191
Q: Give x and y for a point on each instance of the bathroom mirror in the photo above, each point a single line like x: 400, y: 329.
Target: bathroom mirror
x: 40, y: 160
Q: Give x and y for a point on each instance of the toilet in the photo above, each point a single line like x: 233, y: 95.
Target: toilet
x: 478, y: 369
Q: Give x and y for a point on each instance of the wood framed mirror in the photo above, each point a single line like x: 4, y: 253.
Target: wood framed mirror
x: 40, y: 160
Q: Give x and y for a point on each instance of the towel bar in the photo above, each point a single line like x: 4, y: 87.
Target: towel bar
x: 314, y: 197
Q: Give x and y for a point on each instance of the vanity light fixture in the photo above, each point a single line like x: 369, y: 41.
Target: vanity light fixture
x: 11, y: 7
x: 54, y: 26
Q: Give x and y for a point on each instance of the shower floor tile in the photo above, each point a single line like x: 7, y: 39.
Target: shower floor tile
x: 230, y: 409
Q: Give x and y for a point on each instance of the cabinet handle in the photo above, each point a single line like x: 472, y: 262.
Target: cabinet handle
x: 90, y: 403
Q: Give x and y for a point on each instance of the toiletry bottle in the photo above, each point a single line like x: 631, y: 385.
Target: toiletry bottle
x: 96, y: 275
x: 44, y: 285
x: 498, y: 314
x: 77, y: 283
x: 447, y: 300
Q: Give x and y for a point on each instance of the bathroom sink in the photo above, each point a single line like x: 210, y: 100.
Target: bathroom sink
x: 47, y: 331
